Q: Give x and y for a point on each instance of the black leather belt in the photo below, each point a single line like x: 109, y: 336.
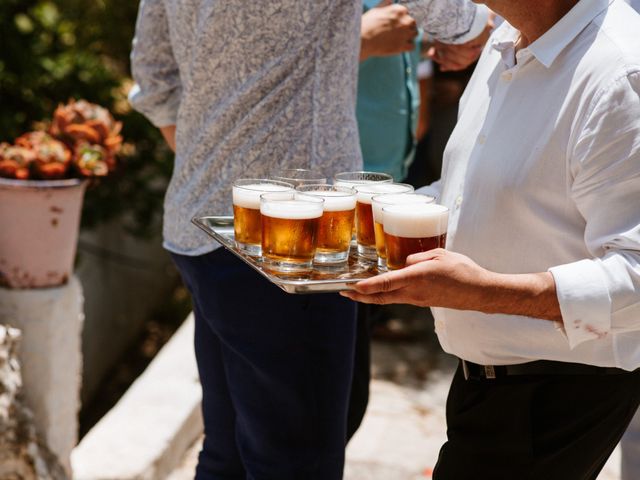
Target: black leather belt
x: 473, y: 371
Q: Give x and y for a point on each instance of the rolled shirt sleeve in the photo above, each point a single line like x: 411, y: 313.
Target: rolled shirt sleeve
x: 157, y: 89
x: 601, y: 295
x: 449, y: 21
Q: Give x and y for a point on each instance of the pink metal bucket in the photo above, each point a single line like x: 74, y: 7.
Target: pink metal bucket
x: 39, y: 224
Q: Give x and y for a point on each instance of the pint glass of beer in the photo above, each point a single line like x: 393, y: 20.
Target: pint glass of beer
x: 290, y: 230
x: 351, y: 179
x: 247, y: 225
x: 336, y: 224
x: 384, y: 200
x: 365, y: 233
x: 413, y: 228
x: 298, y: 176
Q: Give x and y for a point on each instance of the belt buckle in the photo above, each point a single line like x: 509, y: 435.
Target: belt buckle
x: 475, y: 372
x: 489, y: 371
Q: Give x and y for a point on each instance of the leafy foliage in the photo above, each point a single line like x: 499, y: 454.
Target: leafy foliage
x: 54, y: 51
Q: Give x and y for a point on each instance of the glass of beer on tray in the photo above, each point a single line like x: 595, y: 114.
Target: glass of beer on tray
x: 413, y: 228
x: 247, y: 223
x: 336, y: 223
x: 298, y: 176
x: 384, y: 200
x: 365, y: 232
x: 351, y: 179
x: 290, y: 223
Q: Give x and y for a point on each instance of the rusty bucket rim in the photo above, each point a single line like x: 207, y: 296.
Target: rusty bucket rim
x: 64, y: 183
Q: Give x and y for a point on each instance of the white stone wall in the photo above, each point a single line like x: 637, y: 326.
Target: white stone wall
x: 124, y: 280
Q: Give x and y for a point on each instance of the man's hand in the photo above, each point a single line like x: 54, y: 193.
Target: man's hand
x: 387, y: 29
x: 452, y: 58
x: 169, y: 134
x: 433, y: 278
x: 440, y: 278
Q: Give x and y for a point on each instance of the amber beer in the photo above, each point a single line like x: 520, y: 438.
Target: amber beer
x: 247, y: 223
x: 377, y: 204
x: 365, y: 232
x: 353, y: 179
x: 336, y: 223
x: 289, y: 230
x: 412, y: 228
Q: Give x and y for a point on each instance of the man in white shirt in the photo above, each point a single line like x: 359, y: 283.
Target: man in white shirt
x: 539, y: 290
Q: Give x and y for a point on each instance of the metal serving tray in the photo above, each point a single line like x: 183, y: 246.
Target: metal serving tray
x: 322, y: 279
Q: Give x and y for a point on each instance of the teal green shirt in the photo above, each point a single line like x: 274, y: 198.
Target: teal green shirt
x: 387, y: 110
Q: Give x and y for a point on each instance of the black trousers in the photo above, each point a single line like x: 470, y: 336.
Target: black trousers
x: 552, y: 427
x: 359, y: 396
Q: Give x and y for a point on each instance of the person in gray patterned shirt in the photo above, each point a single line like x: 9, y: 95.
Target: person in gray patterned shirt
x: 240, y: 88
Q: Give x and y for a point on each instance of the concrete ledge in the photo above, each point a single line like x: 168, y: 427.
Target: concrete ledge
x: 146, y: 434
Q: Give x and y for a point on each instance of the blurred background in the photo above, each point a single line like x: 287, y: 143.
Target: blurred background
x: 55, y: 51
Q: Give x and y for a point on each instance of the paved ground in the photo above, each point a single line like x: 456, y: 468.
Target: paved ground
x: 405, y: 424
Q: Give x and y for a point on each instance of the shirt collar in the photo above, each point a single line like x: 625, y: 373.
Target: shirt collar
x: 547, y: 48
x: 503, y: 41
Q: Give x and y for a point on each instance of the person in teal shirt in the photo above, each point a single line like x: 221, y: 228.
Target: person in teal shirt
x: 387, y: 109
x: 388, y: 97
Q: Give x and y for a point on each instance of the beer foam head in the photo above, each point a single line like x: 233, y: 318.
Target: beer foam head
x: 365, y: 192
x: 248, y: 196
x: 334, y: 201
x: 292, y: 209
x: 420, y: 220
x: 382, y: 200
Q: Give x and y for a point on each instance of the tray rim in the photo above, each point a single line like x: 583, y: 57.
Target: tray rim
x: 290, y: 286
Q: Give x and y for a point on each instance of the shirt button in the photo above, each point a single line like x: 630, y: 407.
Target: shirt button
x: 482, y: 139
x: 408, y: 70
x: 458, y: 201
x: 439, y: 325
x: 507, y: 76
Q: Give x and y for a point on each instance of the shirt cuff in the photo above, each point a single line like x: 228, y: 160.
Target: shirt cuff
x: 584, y: 301
x: 479, y: 22
x: 161, y: 115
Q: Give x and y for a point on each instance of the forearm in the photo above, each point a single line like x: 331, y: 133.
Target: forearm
x: 530, y: 295
x: 450, y: 21
x: 441, y: 278
x: 169, y: 134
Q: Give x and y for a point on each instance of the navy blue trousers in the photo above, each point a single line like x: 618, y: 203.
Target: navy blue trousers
x: 275, y: 370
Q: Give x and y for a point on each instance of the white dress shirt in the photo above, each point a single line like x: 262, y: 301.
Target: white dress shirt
x: 542, y: 172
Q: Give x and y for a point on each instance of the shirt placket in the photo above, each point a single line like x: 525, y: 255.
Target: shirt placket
x: 499, y: 93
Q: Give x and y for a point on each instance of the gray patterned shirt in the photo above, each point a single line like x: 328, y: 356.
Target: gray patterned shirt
x: 253, y: 86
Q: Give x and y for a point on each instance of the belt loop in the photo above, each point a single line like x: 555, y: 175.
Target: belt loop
x: 465, y: 370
